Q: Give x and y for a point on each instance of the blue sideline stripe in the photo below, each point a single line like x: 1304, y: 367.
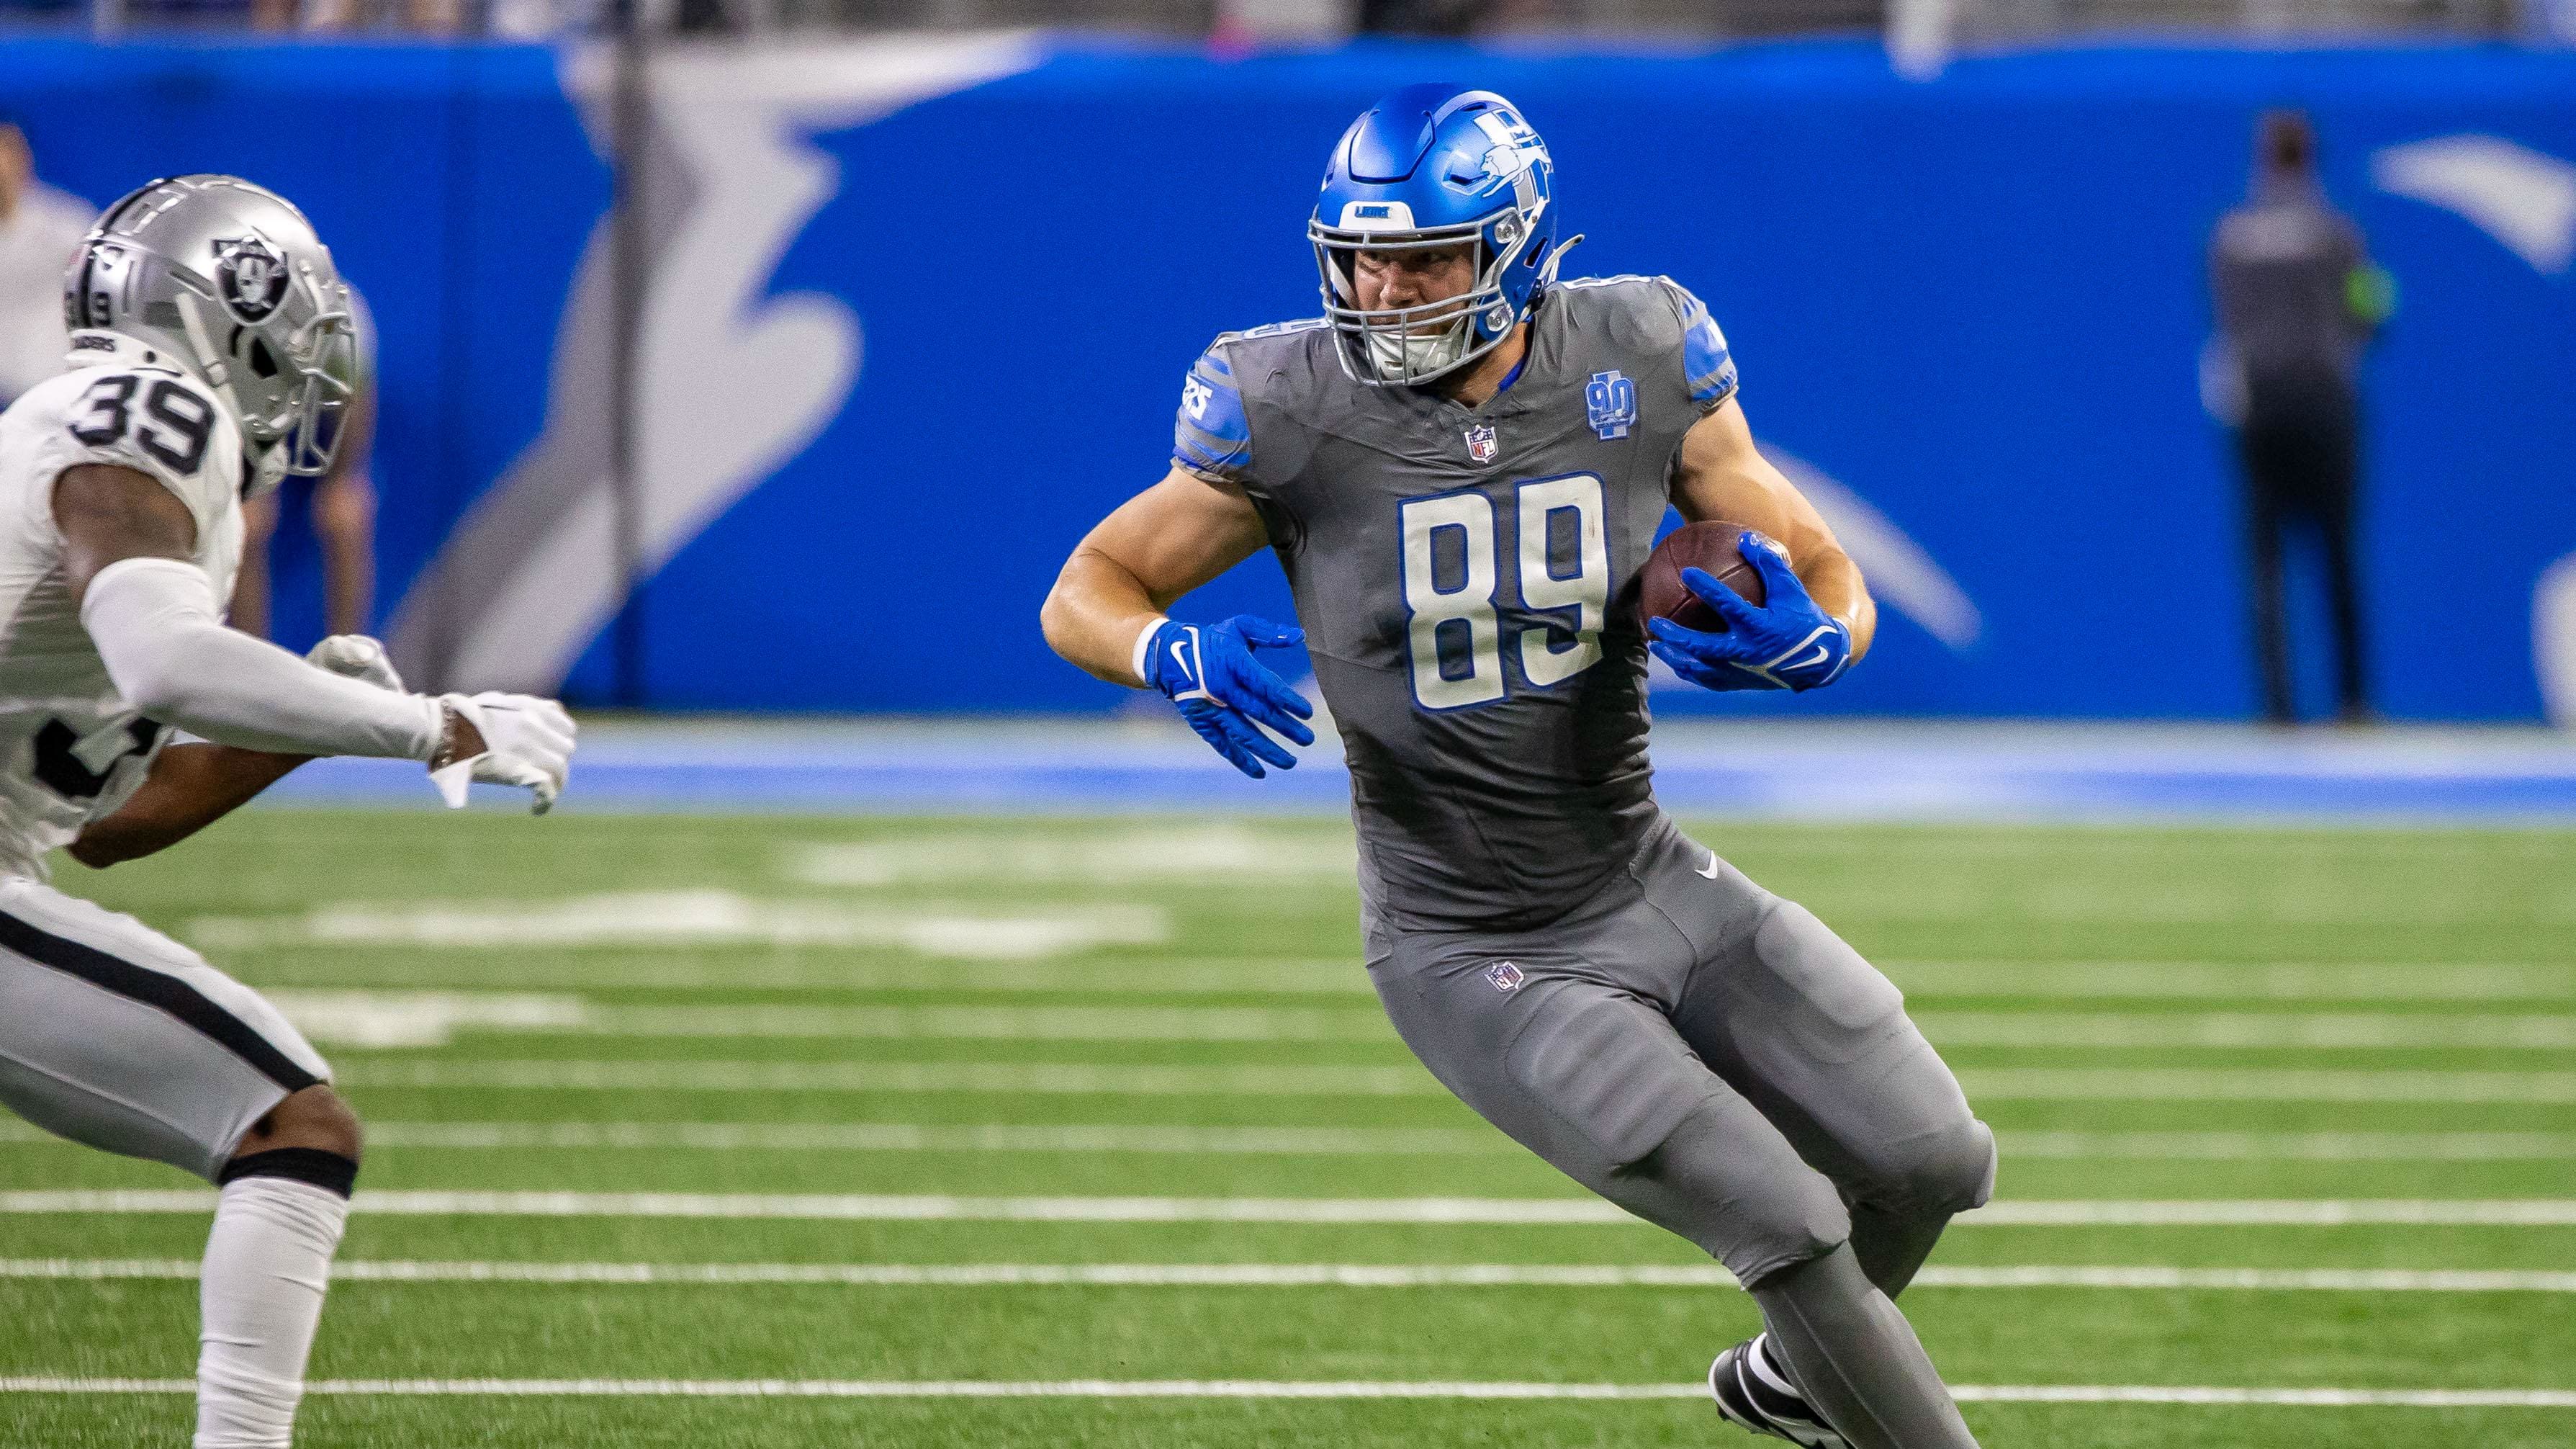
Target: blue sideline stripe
x: 1882, y: 775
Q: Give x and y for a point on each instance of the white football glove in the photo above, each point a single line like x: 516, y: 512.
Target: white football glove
x: 355, y: 656
x: 527, y: 742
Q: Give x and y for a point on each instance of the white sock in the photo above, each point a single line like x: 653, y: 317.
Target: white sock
x: 268, y: 1262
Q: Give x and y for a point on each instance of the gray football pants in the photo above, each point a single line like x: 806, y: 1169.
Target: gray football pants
x: 114, y: 1035
x: 1709, y: 1057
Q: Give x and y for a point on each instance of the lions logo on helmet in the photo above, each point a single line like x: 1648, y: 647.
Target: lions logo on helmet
x: 251, y: 276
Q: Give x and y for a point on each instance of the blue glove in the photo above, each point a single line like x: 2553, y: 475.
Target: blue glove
x: 1788, y: 643
x: 1223, y: 691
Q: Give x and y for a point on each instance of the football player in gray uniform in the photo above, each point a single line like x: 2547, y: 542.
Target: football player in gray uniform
x: 1462, y: 466
x: 210, y: 358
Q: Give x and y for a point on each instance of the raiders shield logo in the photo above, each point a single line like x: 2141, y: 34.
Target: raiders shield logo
x: 251, y: 277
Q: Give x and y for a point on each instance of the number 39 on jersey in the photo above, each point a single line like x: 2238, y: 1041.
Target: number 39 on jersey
x: 1469, y: 606
x: 167, y: 421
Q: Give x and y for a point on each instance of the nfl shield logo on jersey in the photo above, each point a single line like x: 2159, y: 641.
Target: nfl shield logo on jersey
x: 1504, y: 975
x: 1610, y: 404
x: 1481, y: 444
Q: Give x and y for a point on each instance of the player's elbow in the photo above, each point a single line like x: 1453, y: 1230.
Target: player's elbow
x: 154, y: 687
x: 1056, y: 621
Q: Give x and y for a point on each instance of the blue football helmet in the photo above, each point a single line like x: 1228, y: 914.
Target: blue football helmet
x: 1433, y: 166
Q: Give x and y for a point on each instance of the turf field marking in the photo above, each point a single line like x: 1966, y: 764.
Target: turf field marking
x: 420, y: 1019
x: 2029, y: 1084
x: 1013, y: 1078
x: 1371, y: 1141
x: 2283, y: 981
x: 2196, y: 1084
x: 1316, y: 1275
x: 1526, y: 1212
x: 410, y: 1018
x: 916, y: 1137
x: 2294, y: 1146
x: 2252, y: 1029
x: 395, y: 1019
x: 694, y: 918
x: 1108, y: 975
x: 1096, y: 975
x: 1295, y: 1389
x: 1094, y: 857
x: 403, y: 1018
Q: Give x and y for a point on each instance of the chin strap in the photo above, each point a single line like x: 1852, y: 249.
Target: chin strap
x: 1547, y: 269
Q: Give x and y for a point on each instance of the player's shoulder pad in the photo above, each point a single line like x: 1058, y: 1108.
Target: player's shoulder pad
x: 154, y: 419
x: 1210, y: 435
x: 1660, y: 316
x: 1706, y: 362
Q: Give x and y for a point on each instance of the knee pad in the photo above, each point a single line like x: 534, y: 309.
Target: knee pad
x: 1695, y: 1185
x: 1949, y: 1171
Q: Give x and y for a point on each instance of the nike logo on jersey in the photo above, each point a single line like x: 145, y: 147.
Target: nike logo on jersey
x: 1709, y: 870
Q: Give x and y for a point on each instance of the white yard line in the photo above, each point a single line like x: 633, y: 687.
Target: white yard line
x: 1111, y: 972
x: 1370, y: 1141
x: 1107, y: 1079
x: 2293, y: 1146
x: 1009, y: 1078
x: 1294, y: 1389
x: 917, y: 1137
x: 2338, y: 1031
x: 1103, y: 974
x: 1518, y: 1212
x: 1319, y: 1275
x: 694, y: 918
x: 2257, y: 1084
x: 2289, y: 981
x: 432, y: 1018
x: 980, y: 859
x: 986, y: 1023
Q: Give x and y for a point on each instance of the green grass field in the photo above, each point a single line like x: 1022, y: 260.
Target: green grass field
x: 907, y: 1060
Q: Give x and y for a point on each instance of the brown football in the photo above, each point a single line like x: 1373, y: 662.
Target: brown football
x: 1711, y: 546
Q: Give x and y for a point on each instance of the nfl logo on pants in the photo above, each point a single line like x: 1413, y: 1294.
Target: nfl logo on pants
x: 1505, y: 976
x: 1481, y: 444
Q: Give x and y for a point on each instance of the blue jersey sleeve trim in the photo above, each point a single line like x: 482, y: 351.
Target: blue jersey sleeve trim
x: 1210, y: 435
x: 1706, y: 364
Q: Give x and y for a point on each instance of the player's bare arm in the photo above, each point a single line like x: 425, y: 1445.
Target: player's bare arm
x: 1105, y: 614
x: 1722, y: 475
x: 1157, y: 546
x: 191, y: 787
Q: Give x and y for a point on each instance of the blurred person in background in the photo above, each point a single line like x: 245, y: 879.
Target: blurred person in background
x: 39, y: 227
x: 2297, y: 299
x: 341, y: 503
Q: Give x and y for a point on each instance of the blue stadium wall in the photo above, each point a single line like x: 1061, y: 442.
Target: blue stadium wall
x: 921, y: 311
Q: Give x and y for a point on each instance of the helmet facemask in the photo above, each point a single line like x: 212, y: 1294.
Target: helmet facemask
x: 289, y: 375
x: 1409, y: 346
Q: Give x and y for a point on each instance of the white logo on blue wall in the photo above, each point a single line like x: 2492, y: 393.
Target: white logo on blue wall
x: 1610, y: 404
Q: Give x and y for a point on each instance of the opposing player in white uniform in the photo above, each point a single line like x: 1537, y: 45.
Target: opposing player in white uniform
x: 209, y: 359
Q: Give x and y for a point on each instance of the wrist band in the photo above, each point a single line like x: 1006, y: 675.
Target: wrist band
x: 1144, y: 646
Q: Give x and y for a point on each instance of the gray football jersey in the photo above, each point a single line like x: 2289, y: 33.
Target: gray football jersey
x: 1464, y: 578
